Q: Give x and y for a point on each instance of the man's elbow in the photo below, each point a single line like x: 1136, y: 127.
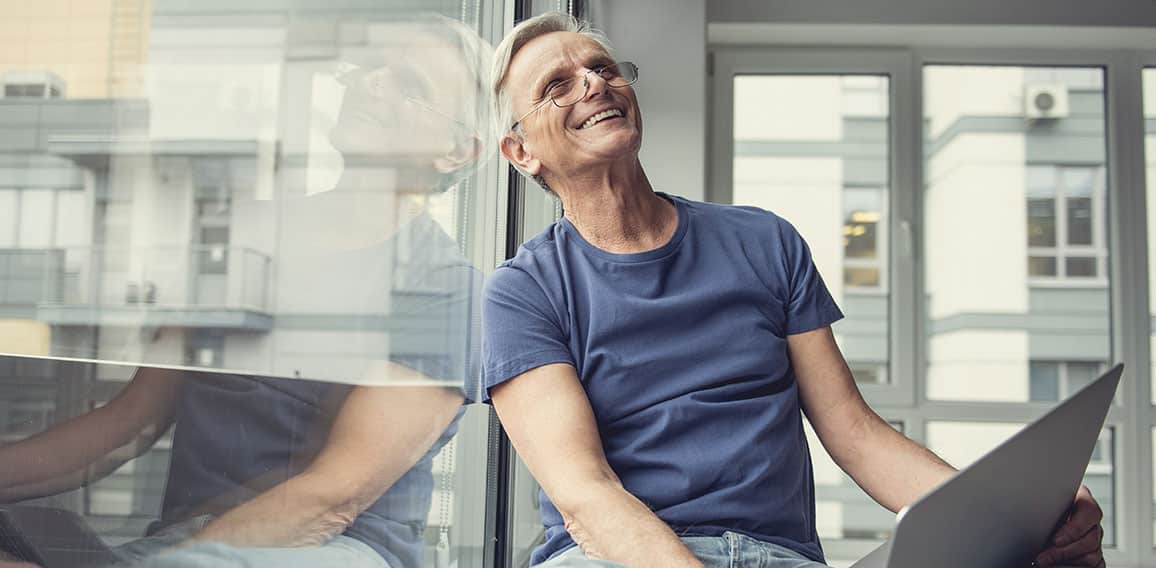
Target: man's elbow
x: 339, y: 505
x: 581, y: 499
x: 336, y: 520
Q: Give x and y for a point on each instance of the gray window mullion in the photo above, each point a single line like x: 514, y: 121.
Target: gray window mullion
x: 1129, y: 286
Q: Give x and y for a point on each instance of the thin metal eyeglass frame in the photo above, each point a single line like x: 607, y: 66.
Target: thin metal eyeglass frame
x: 429, y: 107
x: 585, y: 89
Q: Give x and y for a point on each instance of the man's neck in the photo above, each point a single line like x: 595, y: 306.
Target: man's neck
x: 619, y: 212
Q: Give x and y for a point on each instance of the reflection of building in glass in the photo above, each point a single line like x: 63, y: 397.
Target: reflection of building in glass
x: 144, y: 153
x: 1014, y: 240
x: 84, y: 50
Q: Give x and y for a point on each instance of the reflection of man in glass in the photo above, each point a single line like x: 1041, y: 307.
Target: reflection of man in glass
x: 285, y: 472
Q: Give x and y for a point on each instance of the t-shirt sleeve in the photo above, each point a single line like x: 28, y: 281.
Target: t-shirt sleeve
x: 809, y: 304
x: 435, y: 309
x: 519, y: 329
x: 442, y: 332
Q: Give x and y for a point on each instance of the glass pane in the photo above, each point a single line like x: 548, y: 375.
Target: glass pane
x: 854, y: 276
x: 861, y: 217
x: 1041, y: 266
x: 1080, y: 374
x: 815, y: 150
x: 962, y: 443
x: 999, y: 168
x: 1078, y: 182
x: 1079, y: 220
x: 1045, y: 382
x: 270, y: 216
x: 1080, y: 267
x: 1042, y: 222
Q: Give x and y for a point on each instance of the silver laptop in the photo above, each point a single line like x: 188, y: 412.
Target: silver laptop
x: 1002, y: 510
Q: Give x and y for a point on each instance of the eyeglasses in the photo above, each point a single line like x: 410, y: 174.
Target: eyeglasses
x: 422, y: 104
x: 567, y: 92
x: 404, y: 83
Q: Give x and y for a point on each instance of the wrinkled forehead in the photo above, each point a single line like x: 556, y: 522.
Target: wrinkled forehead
x: 552, y: 52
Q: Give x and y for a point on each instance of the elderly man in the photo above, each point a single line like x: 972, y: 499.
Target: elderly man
x: 650, y: 355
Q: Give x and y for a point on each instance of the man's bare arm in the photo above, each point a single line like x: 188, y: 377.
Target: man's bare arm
x: 380, y: 433
x: 892, y: 469
x: 92, y: 445
x: 549, y: 420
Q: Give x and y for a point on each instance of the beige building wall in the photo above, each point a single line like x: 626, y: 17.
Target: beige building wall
x: 25, y: 337
x: 98, y: 47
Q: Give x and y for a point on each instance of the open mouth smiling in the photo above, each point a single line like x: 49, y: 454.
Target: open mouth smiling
x: 600, y: 116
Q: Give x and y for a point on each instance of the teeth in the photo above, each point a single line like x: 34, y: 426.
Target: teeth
x: 600, y: 116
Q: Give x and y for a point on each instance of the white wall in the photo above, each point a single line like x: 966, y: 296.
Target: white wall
x: 1126, y: 13
x: 667, y: 39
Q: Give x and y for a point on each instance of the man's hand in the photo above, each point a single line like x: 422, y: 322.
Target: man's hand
x: 1080, y: 540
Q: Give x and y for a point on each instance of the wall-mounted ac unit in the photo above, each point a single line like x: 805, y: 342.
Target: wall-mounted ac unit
x: 31, y: 85
x: 1045, y: 100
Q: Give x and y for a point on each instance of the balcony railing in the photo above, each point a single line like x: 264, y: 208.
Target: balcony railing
x: 172, y: 277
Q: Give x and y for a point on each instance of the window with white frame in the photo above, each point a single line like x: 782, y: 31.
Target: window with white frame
x: 1065, y: 229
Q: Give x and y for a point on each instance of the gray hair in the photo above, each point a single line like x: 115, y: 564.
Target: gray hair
x: 519, y: 36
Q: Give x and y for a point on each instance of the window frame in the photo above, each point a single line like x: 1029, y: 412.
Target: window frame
x: 905, y: 399
x: 726, y: 63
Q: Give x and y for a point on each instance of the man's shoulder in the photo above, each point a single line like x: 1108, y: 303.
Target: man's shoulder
x: 745, y: 219
x: 538, y: 250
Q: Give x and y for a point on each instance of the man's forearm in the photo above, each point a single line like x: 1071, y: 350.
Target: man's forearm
x: 302, y: 511
x: 891, y: 468
x: 611, y: 524
x: 358, y: 464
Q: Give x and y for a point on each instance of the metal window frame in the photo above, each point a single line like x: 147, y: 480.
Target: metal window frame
x: 1127, y: 280
x: 906, y: 399
x: 1143, y: 377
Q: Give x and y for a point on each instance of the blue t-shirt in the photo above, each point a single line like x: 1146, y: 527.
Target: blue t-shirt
x: 238, y: 436
x: 682, y: 351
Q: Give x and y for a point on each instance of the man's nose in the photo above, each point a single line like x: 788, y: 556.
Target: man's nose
x: 596, y: 85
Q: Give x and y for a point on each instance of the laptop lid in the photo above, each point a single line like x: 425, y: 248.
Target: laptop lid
x: 1001, y: 510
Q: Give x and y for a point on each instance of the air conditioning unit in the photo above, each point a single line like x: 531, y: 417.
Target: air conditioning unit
x: 31, y: 85
x: 1045, y: 100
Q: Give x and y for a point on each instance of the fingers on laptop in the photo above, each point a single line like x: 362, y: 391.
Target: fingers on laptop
x: 1085, y: 551
x: 1084, y: 514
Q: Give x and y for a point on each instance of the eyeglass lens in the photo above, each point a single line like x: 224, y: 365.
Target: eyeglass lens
x: 571, y: 91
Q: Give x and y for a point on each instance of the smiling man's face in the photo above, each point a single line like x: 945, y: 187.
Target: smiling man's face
x: 604, y: 127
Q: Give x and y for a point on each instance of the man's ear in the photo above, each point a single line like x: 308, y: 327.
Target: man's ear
x: 464, y: 153
x: 514, y: 148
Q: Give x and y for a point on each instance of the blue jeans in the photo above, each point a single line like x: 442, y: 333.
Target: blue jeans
x: 155, y: 552
x: 731, y: 550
